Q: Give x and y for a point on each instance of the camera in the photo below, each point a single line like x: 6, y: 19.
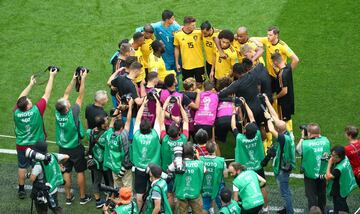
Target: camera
x: 124, y: 99
x: 326, y: 157
x: 178, y: 160
x: 173, y: 99
x: 271, y: 153
x: 34, y: 155
x: 237, y: 101
x: 109, y: 190
x: 53, y: 68
x: 304, y: 127
x: 112, y: 112
x: 79, y: 70
x: 40, y: 193
x: 261, y: 98
x: 151, y: 95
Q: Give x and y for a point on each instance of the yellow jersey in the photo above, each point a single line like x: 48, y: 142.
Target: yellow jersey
x: 157, y: 64
x: 237, y: 45
x: 280, y: 47
x: 190, y: 49
x: 223, y: 67
x: 146, y: 50
x: 139, y: 55
x: 209, y: 46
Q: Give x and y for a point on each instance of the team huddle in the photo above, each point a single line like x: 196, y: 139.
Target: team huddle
x: 157, y: 150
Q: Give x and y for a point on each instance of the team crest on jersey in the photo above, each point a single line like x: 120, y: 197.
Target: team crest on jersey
x: 195, y: 37
x: 277, y: 51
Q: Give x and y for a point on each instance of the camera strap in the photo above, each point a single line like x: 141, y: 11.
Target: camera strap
x: 94, y: 141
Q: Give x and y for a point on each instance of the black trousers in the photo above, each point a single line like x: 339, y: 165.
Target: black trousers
x: 315, y: 191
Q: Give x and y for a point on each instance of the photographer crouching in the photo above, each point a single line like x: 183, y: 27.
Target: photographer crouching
x: 46, y: 177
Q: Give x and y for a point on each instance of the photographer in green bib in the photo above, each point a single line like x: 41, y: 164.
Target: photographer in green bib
x: 98, y: 139
x: 117, y: 150
x: 249, y: 149
x: 29, y: 125
x: 145, y: 149
x: 172, y: 141
x: 188, y: 182
x: 69, y: 132
x: 156, y: 200
x: 216, y: 170
x: 341, y: 179
x: 229, y: 206
x: 46, y: 177
x: 284, y: 159
x: 314, y: 150
x: 246, y: 188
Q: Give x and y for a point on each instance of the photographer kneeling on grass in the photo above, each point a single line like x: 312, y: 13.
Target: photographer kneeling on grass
x: 46, y: 177
x: 69, y: 132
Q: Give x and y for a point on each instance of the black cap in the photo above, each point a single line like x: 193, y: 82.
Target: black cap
x: 40, y: 147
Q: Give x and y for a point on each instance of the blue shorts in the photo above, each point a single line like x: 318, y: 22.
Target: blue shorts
x: 23, y: 162
x: 132, y: 123
x: 114, y: 101
x: 170, y: 186
x: 206, y: 203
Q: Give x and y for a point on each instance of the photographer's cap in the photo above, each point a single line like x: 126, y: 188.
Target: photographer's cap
x: 250, y: 130
x: 125, y: 195
x: 40, y: 147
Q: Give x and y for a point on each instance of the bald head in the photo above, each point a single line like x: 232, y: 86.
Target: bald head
x: 280, y: 125
x: 242, y: 35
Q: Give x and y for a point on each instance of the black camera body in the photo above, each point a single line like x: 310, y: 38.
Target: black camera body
x: 173, y: 99
x: 79, y: 70
x: 124, y: 99
x: 237, y: 101
x: 53, y: 68
x: 261, y: 98
x: 304, y: 127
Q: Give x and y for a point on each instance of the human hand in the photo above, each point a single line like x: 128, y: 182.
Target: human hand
x: 32, y: 80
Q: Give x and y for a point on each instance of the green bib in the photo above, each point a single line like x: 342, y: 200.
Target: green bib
x: 232, y: 208
x: 161, y: 187
x: 249, y: 152
x: 167, y: 150
x: 99, y: 148
x: 213, y: 177
x: 114, y: 152
x: 188, y: 185
x: 67, y: 134
x: 52, y: 173
x: 145, y: 149
x: 288, y: 156
x: 249, y: 189
x: 29, y: 127
x: 130, y: 208
x: 347, y: 178
x: 312, y: 152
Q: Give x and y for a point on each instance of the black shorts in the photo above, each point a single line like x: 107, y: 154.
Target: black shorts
x: 222, y: 128
x: 340, y: 204
x: 197, y: 73
x: 208, y: 68
x: 23, y: 162
x: 261, y: 172
x: 76, y: 160
x: 141, y: 181
x: 207, y: 128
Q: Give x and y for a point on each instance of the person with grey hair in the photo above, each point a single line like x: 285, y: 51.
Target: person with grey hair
x: 69, y: 132
x: 96, y: 109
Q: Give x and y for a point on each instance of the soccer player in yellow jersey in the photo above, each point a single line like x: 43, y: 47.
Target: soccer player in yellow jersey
x: 242, y: 38
x: 187, y: 43
x: 209, y: 35
x: 156, y: 62
x: 273, y: 44
x: 223, y: 67
x: 136, y: 43
x: 146, y: 47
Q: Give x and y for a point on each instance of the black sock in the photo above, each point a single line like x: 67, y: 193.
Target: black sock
x: 21, y: 188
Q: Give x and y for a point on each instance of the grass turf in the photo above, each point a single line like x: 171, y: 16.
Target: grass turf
x: 68, y: 33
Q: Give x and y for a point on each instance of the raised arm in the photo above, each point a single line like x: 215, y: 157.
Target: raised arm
x: 248, y: 110
x: 112, y: 77
x: 218, y: 46
x: 163, y: 113
x: 129, y: 115
x: 271, y: 109
x: 70, y: 87
x: 271, y: 125
x: 49, y: 85
x: 233, y: 119
x: 28, y: 88
x: 258, y: 53
x: 80, y: 97
x: 184, y: 116
x: 140, y: 113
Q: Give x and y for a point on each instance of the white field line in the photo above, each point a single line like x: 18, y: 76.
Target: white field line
x: 13, y: 137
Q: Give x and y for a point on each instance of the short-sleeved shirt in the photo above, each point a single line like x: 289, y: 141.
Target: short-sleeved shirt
x: 125, y: 86
x: 190, y: 48
x: 281, y: 47
x: 284, y: 79
x: 157, y: 64
x: 223, y: 67
x: 353, y: 154
x: 146, y: 51
x: 209, y: 46
x: 92, y: 111
x: 140, y: 57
